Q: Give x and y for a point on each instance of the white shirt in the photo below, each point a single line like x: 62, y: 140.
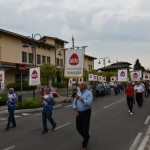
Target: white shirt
x: 139, y: 88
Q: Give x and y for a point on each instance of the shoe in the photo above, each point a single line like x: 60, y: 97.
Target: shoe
x: 13, y: 126
x: 83, y: 148
x: 44, y: 131
x: 131, y: 113
x: 7, y: 128
x: 54, y: 126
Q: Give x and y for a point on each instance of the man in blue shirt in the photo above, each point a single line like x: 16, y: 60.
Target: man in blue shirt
x: 82, y: 106
x: 11, y: 102
x: 47, y: 99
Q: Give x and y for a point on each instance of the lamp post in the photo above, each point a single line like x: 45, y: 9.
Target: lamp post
x: 104, y: 61
x: 33, y: 42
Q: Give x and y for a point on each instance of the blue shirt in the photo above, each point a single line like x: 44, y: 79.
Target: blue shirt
x: 87, y: 97
x: 10, y: 98
x: 48, y: 104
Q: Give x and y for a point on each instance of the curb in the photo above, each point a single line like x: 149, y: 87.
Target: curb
x: 30, y: 110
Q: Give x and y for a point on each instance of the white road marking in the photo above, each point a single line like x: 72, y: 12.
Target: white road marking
x: 38, y: 114
x: 17, y: 116
x: 147, y: 119
x: 68, y: 106
x: 143, y: 144
x: 148, y: 131
x: 114, y: 103
x: 63, y: 125
x: 26, y: 114
x: 3, y: 119
x: 11, y: 147
x: 136, y: 141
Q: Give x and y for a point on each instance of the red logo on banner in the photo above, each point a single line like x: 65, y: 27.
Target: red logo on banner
x: 135, y: 75
x: 122, y: 74
x: 112, y: 78
x: 74, y: 59
x: 146, y: 76
x: 34, y: 74
x: 1, y: 78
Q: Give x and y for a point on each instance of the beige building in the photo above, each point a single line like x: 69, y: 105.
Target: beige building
x: 16, y: 49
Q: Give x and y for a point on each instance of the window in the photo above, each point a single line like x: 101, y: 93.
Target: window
x: 43, y: 59
x: 38, y: 59
x: 90, y: 67
x: 24, y: 57
x: 30, y: 57
x: 48, y: 60
x: 57, y: 61
x: 61, y: 62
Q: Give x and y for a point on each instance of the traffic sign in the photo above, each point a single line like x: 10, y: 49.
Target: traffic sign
x: 22, y: 67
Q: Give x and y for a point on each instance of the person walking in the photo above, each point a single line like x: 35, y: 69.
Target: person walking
x: 11, y: 102
x: 82, y: 106
x: 138, y: 88
x: 47, y: 99
x: 130, y: 96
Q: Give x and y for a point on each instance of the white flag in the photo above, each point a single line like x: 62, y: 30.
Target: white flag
x: 135, y: 75
x: 74, y: 60
x: 122, y: 75
x: 34, y: 76
x: 94, y: 77
x: 91, y: 77
x: 146, y: 76
x: 100, y: 78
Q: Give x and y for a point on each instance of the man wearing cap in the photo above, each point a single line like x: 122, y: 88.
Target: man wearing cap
x: 82, y: 106
x: 11, y: 102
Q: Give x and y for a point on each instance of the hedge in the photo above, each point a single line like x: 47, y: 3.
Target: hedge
x: 59, y: 84
x: 2, y: 99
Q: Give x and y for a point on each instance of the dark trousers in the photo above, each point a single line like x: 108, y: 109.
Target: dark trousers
x: 146, y: 93
x: 139, y: 99
x: 82, y: 125
x: 11, y: 118
x: 47, y: 114
x: 130, y: 101
x: 97, y: 94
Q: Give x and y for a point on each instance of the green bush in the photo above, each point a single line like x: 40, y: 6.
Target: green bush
x: 59, y: 84
x: 2, y: 99
x: 17, y: 86
x: 30, y: 103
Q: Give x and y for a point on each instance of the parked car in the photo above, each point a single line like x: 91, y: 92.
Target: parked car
x: 53, y: 91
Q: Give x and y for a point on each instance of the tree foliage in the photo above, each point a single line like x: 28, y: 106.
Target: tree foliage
x: 48, y: 72
x: 138, y: 66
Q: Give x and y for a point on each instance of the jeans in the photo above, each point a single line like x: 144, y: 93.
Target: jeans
x: 130, y: 101
x: 47, y: 114
x: 11, y: 118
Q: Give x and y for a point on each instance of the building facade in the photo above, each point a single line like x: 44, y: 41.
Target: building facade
x: 16, y: 49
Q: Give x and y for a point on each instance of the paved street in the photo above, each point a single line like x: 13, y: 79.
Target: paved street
x: 112, y: 128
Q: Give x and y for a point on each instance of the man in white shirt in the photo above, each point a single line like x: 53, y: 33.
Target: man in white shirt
x: 138, y: 88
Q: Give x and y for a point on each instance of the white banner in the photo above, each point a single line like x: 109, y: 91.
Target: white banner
x: 122, y: 75
x: 74, y: 60
x: 2, y: 79
x: 113, y: 79
x: 100, y: 78
x: 104, y: 79
x: 34, y: 76
x: 80, y: 80
x: 94, y: 77
x: 146, y: 76
x: 91, y: 77
x: 135, y: 75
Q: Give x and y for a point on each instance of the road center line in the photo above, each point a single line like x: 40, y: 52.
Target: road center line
x: 94, y: 112
x: 11, y: 147
x: 63, y: 125
x: 136, y: 141
x: 114, y: 103
x: 143, y: 144
x: 147, y: 119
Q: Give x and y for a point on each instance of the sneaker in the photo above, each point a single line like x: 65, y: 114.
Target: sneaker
x: 54, y: 126
x: 44, y: 131
x: 131, y: 113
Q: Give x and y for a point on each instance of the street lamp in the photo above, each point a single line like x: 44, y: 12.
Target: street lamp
x: 32, y: 41
x: 104, y: 61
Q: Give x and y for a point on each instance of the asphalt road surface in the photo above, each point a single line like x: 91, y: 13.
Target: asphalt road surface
x: 111, y: 128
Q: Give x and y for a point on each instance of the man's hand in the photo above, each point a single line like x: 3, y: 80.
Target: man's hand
x: 77, y: 113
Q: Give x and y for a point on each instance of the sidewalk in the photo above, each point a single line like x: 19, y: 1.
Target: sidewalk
x: 3, y: 109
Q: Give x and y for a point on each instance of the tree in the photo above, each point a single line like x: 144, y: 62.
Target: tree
x: 48, y: 72
x: 138, y: 66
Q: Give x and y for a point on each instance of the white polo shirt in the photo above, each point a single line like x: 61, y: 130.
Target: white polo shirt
x: 138, y: 88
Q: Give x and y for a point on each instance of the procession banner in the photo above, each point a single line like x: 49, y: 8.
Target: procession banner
x: 91, y: 77
x: 34, y: 76
x: 100, y: 78
x: 113, y: 79
x: 146, y: 76
x: 74, y: 60
x: 80, y: 80
x: 122, y: 75
x: 94, y: 77
x: 104, y: 79
x: 135, y: 75
x: 2, y: 79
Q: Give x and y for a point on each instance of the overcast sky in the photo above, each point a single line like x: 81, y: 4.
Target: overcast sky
x: 118, y: 29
